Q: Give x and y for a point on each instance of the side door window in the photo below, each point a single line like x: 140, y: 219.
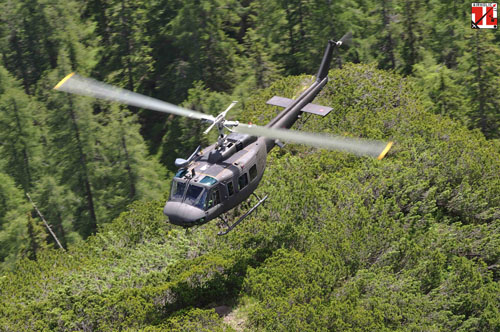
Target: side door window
x: 230, y: 188
x: 253, y: 172
x: 243, y: 181
x: 213, y: 198
x: 216, y: 195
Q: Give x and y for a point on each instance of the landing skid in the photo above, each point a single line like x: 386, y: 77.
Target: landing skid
x: 231, y: 227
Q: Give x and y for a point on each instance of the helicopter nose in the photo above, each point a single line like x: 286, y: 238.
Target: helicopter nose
x: 183, y: 214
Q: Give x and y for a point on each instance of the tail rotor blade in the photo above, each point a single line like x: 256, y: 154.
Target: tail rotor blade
x: 346, y: 39
x: 362, y: 147
x: 74, y: 83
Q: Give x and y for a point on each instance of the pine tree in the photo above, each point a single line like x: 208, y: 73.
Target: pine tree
x: 447, y: 97
x: 124, y: 172
x: 446, y: 38
x: 412, y: 15
x: 126, y: 58
x: 21, y: 119
x: 386, y: 45
x: 132, y: 52
x: 96, y: 10
x: 206, y: 52
x: 58, y: 205
x: 259, y: 70
x: 13, y: 226
x: 28, y: 44
x: 35, y: 238
x: 183, y: 135
x: 72, y: 144
x: 482, y: 65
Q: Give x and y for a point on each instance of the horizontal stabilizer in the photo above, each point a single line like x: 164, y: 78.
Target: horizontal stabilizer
x: 280, y: 101
x: 309, y: 108
x: 317, y: 109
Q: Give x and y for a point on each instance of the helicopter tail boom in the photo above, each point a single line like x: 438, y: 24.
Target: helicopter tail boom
x: 294, y: 107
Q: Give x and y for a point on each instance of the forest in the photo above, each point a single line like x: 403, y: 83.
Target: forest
x: 344, y: 243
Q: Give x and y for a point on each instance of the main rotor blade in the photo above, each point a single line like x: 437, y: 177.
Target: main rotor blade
x: 209, y: 128
x: 220, y: 118
x: 362, y: 147
x: 229, y: 107
x: 77, y: 84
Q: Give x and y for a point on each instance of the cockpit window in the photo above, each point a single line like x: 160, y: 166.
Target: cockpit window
x: 192, y: 194
x: 178, y: 189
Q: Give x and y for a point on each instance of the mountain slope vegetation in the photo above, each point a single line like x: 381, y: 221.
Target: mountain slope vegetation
x: 84, y: 161
x: 409, y: 243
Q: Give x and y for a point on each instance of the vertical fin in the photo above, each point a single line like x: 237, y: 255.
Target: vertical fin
x: 325, y: 63
x: 327, y: 57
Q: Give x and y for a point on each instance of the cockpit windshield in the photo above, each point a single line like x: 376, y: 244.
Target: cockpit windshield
x: 201, y: 202
x: 178, y: 189
x: 190, y: 194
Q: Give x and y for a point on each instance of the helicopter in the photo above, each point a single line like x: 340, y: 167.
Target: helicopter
x: 212, y: 181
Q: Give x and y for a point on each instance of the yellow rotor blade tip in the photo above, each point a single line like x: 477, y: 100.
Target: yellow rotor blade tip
x: 63, y: 80
x: 384, y: 152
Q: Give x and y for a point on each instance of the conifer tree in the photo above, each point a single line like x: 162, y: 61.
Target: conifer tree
x: 296, y: 11
x: 13, y: 226
x: 386, y: 45
x: 183, y: 135
x: 20, y: 120
x: 124, y: 172
x: 260, y: 70
x: 35, y: 238
x: 448, y: 98
x: 482, y: 64
x: 446, y: 38
x: 126, y: 58
x: 58, y: 205
x: 28, y: 44
x: 412, y: 15
x: 73, y: 140
x: 203, y: 43
x: 96, y: 10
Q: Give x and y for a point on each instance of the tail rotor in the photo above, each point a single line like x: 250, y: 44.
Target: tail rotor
x: 346, y: 39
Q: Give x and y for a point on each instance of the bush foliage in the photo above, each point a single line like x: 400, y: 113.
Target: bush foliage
x: 344, y: 243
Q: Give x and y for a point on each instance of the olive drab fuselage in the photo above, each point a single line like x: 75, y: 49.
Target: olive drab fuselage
x: 217, y: 180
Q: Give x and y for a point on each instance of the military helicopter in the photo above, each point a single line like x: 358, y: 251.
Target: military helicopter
x: 216, y: 179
